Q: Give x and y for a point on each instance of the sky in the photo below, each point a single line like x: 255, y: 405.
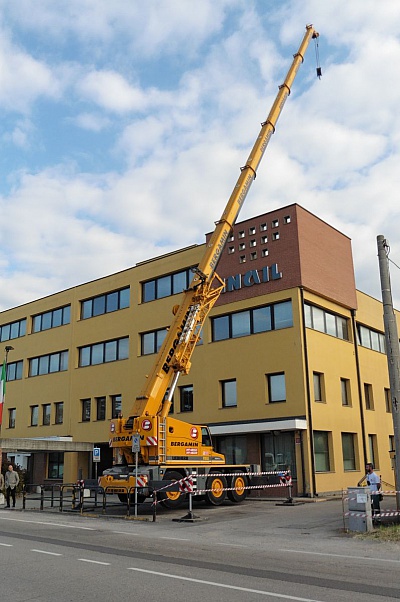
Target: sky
x: 124, y: 125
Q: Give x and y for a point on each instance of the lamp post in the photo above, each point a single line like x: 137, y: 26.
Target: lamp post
x: 3, y: 381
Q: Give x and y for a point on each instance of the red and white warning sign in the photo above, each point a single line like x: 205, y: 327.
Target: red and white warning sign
x: 194, y: 432
x: 151, y: 440
x: 141, y: 481
x: 186, y: 484
x: 146, y: 424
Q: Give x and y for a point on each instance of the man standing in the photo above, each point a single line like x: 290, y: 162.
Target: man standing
x: 374, y: 483
x: 12, y: 480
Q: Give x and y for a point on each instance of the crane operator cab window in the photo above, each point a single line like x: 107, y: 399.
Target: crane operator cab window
x: 205, y: 437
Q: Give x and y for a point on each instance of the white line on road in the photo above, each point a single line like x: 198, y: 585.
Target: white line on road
x: 176, y: 538
x: 38, y: 522
x: 46, y: 552
x: 214, y: 584
x: 94, y: 561
x: 6, y: 545
x: 375, y: 559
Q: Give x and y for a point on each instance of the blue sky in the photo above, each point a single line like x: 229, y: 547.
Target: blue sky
x: 124, y: 125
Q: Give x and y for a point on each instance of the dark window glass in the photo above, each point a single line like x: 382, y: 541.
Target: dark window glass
x: 124, y: 298
x: 84, y: 359
x: 46, y: 414
x: 164, y: 287
x: 34, y: 415
x: 33, y: 366
x: 22, y: 327
x: 37, y: 323
x: 283, y: 317
x: 64, y: 360
x: 46, y: 321
x: 87, y: 309
x: 110, y: 354
x: 12, y: 412
x: 101, y: 408
x: 112, y: 302
x: 56, y: 465
x: 57, y: 317
x: 229, y: 394
x: 116, y: 405
x: 179, y: 282
x: 5, y: 332
x: 99, y: 305
x: 149, y: 291
x: 14, y: 333
x: 123, y: 349
x: 66, y: 314
x: 54, y: 362
x: 148, y: 343
x: 85, y: 410
x: 240, y: 324
x: 276, y: 388
x: 321, y: 451
x: 11, y: 368
x: 186, y: 398
x: 261, y: 319
x: 59, y: 412
x: 43, y: 364
x: 221, y: 328
x: 97, y: 354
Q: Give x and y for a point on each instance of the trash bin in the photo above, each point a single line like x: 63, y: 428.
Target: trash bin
x: 360, y: 514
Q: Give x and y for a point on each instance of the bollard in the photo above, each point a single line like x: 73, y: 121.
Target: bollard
x: 154, y: 506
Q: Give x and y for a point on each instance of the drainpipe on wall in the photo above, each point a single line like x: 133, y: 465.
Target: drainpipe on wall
x: 360, y: 399
x: 313, y: 491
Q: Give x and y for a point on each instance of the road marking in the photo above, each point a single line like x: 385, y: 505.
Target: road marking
x: 176, y: 538
x: 94, y: 561
x: 231, y: 545
x: 6, y: 545
x: 45, y: 552
x: 342, y: 556
x: 214, y: 584
x: 38, y: 522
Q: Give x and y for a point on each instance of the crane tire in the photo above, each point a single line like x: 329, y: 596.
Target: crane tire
x: 172, y: 499
x: 238, y: 484
x: 216, y: 489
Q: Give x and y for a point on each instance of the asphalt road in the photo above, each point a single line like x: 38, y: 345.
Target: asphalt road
x: 252, y: 551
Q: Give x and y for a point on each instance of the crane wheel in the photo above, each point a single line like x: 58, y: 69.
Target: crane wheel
x: 216, y: 486
x: 238, y: 483
x: 123, y: 497
x: 172, y: 499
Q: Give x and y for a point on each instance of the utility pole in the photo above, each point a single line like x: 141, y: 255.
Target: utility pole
x: 392, y: 352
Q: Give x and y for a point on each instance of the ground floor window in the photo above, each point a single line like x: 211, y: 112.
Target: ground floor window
x: 55, y: 468
x: 278, y: 452
x: 321, y: 451
x: 234, y: 448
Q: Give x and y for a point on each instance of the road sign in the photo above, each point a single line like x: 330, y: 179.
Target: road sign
x: 96, y: 454
x: 136, y: 443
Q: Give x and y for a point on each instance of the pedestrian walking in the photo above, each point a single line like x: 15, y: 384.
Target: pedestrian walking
x: 12, y: 480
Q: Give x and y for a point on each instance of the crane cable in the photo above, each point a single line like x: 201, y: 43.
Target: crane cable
x: 319, y: 70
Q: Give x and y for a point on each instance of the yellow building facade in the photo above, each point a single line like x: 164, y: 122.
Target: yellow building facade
x: 291, y: 370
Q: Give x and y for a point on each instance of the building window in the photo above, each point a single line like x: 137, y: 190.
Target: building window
x: 391, y: 443
x: 371, y: 339
x: 253, y: 255
x: 252, y: 230
x: 253, y: 243
x: 34, y: 415
x: 275, y: 235
x: 12, y: 412
x: 276, y: 387
x: 186, y: 395
x: 242, y: 259
x: 56, y: 465
x: 241, y: 234
x: 100, y: 408
x: 264, y: 253
x: 321, y: 451
x: 14, y: 370
x: 47, y: 364
x: 369, y: 398
x: 264, y: 240
x: 275, y: 223
x: 373, y: 450
x: 263, y: 227
x: 318, y: 380
x: 231, y: 238
x: 101, y: 353
x: 59, y: 414
x: 287, y: 219
x: 345, y: 391
x: 13, y: 330
x: 104, y: 304
x: 231, y: 250
x: 164, y: 286
x: 252, y: 321
x: 348, y: 448
x: 150, y: 342
x: 85, y: 410
x: 324, y: 321
x: 116, y: 406
x: 234, y: 448
x: 51, y: 319
x: 46, y: 413
x: 388, y: 401
x: 229, y: 393
x: 242, y: 246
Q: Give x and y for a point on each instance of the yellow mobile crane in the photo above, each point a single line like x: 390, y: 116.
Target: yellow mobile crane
x: 171, y: 449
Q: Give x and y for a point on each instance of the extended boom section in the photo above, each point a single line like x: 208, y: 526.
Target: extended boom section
x: 171, y: 449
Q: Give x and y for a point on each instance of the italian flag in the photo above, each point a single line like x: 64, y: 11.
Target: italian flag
x: 2, y: 389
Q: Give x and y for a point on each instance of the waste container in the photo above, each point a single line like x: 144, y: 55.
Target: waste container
x: 360, y: 514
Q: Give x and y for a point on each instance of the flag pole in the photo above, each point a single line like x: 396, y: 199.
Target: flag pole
x: 3, y: 381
